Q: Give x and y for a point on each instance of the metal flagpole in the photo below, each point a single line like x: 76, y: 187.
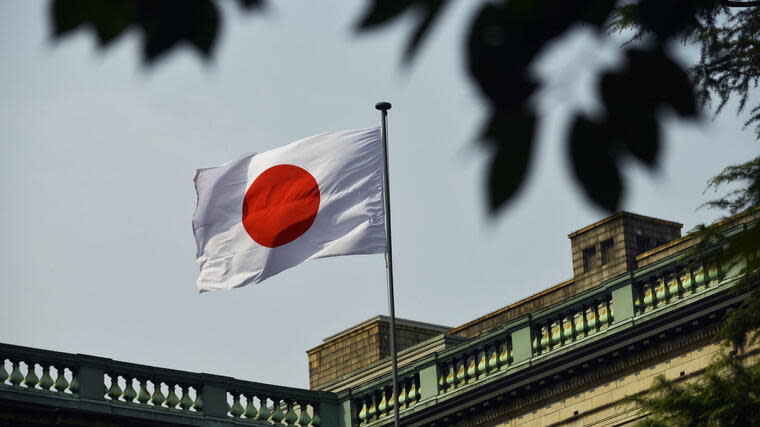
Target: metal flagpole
x: 384, y: 107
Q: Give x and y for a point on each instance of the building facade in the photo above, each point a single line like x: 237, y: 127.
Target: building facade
x: 643, y: 301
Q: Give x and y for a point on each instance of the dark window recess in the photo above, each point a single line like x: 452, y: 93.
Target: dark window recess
x: 589, y: 259
x: 643, y: 244
x: 606, y: 251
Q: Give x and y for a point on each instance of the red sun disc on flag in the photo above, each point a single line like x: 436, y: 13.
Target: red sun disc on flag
x: 280, y: 205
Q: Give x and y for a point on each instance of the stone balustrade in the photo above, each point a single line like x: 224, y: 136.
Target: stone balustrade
x: 680, y: 281
x: 377, y: 404
x: 256, y: 402
x: 616, y: 306
x: 31, y: 369
x: 479, y: 361
x: 580, y: 321
x: 186, y: 395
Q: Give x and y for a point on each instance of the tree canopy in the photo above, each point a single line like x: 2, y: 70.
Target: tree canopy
x: 505, y: 38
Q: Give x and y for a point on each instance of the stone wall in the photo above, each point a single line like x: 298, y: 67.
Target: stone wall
x: 362, y: 345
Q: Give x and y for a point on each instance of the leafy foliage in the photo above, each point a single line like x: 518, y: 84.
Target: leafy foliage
x: 726, y: 395
x: 729, y: 65
x: 505, y: 38
x: 164, y: 24
x: 741, y: 198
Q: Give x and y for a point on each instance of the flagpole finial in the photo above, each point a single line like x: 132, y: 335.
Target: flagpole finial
x: 383, y: 106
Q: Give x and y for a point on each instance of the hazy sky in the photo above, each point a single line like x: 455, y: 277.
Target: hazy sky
x: 97, y: 155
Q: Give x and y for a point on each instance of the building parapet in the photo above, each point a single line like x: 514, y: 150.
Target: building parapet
x: 676, y: 294
x: 104, y: 386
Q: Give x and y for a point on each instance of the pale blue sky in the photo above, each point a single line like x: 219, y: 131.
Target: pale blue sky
x: 97, y: 155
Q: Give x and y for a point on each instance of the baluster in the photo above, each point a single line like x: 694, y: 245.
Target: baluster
x: 315, y: 420
x: 171, y: 399
x: 451, y: 377
x: 504, y: 356
x: 402, y: 393
x: 61, y: 384
x: 277, y: 414
x: 250, y: 409
x: 684, y: 276
x: 290, y: 414
x: 383, y: 406
x: 674, y: 287
x: 129, y: 390
x: 372, y: 409
x: 363, y: 411
x: 185, y: 402
x: 46, y: 381
x: 591, y: 319
x: 236, y: 410
x: 264, y: 412
x: 648, y: 296
x: 114, y: 392
x: 198, y: 404
x: 699, y: 276
x: 601, y: 307
x: 31, y: 378
x: 143, y: 396
x: 460, y: 371
x: 556, y: 333
x: 713, y: 273
x: 471, y: 370
x: 303, y: 419
x: 545, y: 342
x: 568, y: 334
x: 391, y: 400
x: 578, y: 324
x: 16, y: 376
x: 413, y: 394
x: 493, y: 358
x: 482, y: 362
x: 3, y: 372
x: 74, y: 383
x: 662, y: 291
x: 158, y: 397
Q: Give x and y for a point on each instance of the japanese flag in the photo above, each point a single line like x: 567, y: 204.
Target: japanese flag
x: 263, y: 213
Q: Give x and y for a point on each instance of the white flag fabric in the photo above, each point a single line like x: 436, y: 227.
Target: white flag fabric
x: 263, y: 213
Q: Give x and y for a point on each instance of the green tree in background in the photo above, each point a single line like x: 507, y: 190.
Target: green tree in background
x: 728, y: 394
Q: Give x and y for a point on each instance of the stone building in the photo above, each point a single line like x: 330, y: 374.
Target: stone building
x: 643, y: 301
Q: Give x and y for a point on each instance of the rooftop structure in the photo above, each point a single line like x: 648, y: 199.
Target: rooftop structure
x: 643, y: 301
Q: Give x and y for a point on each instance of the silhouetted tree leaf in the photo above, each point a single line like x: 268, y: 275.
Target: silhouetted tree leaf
x: 497, y: 60
x: 108, y: 19
x: 634, y: 96
x: 665, y: 82
x: 631, y: 116
x: 593, y: 160
x: 596, y: 12
x: 381, y: 12
x: 511, y: 136
x: 69, y: 15
x: 164, y: 24
x: 668, y: 18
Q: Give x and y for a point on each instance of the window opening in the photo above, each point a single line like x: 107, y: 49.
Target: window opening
x: 606, y: 251
x: 589, y: 259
